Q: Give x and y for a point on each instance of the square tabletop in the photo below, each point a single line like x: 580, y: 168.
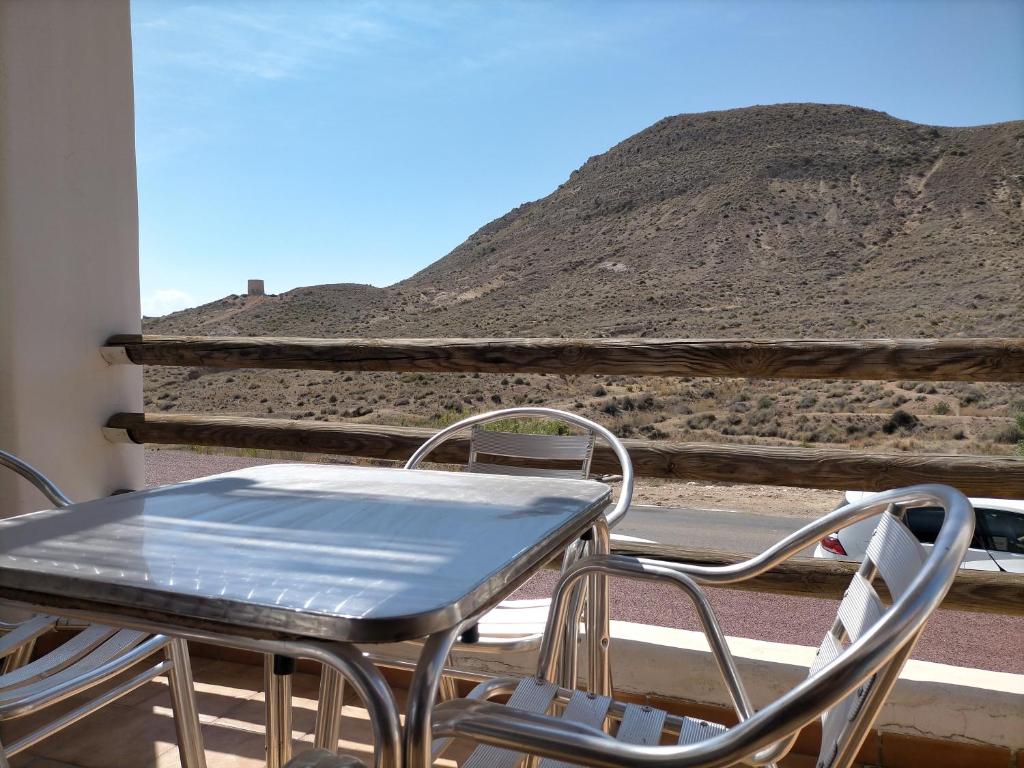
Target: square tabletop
x: 333, y: 552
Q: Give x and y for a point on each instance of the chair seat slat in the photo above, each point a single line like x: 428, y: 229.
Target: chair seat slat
x: 25, y: 632
x: 531, y: 695
x: 641, y: 725
x: 518, y: 445
x: 505, y: 469
x: 829, y: 649
x: 65, y: 654
x: 584, y: 708
x: 896, y: 552
x: 694, y: 731
x: 860, y: 607
x: 116, y: 644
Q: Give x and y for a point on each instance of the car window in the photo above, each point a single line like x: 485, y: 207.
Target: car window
x: 1005, y: 530
x: 925, y: 522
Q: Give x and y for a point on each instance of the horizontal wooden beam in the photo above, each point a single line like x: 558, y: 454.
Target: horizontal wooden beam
x: 880, y: 359
x: 830, y: 468
x: 977, y: 591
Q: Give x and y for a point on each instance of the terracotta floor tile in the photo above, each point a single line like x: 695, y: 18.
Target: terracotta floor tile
x: 226, y: 747
x: 157, y: 688
x: 126, y: 737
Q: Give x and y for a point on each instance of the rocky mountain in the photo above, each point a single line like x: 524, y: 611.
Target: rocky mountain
x: 789, y: 220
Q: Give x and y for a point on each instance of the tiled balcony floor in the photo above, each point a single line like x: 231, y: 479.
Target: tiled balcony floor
x: 137, y: 731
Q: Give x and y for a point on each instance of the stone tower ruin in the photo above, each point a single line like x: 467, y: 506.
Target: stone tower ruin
x: 255, y: 288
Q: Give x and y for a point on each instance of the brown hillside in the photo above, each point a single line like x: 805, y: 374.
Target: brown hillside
x: 795, y: 220
x: 791, y: 220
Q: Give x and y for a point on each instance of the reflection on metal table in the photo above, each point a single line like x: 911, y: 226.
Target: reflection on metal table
x: 304, y: 560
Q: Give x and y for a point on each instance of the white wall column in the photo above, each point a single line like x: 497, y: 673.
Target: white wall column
x: 69, y: 272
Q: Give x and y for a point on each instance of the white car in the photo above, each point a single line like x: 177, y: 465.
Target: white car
x: 998, y: 543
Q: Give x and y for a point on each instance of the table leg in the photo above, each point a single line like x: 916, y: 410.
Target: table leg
x: 328, y: 709
x: 277, y: 678
x: 422, y: 693
x: 598, y: 630
x: 186, y: 718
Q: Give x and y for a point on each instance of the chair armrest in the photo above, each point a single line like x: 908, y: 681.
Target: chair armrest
x: 798, y: 540
x: 502, y: 726
x: 635, y: 569
x: 574, y: 743
x: 42, y: 483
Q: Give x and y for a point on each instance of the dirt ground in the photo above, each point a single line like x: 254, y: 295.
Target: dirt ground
x: 762, y: 499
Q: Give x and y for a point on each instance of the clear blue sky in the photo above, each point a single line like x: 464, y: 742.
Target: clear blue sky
x: 316, y: 142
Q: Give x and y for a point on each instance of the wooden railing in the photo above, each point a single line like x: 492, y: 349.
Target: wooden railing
x: 927, y: 359
x: 752, y: 464
x: 948, y: 359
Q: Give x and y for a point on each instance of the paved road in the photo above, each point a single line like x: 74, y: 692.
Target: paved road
x: 697, y: 528
x: 951, y: 637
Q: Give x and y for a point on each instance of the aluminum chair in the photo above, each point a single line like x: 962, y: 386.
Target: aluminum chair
x: 516, y: 625
x: 855, y: 669
x: 91, y: 658
x: 513, y: 625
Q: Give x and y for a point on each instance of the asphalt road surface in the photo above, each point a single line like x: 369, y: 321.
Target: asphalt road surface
x: 741, y: 532
x: 966, y: 639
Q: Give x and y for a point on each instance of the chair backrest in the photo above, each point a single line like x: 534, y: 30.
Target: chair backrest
x: 896, y: 557
x: 572, y: 454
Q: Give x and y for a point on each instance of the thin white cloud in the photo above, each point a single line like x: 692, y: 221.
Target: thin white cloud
x: 261, y: 41
x: 165, y: 301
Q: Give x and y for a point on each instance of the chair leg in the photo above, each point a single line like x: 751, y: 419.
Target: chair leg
x: 328, y: 711
x: 447, y: 689
x: 183, y: 702
x: 277, y: 678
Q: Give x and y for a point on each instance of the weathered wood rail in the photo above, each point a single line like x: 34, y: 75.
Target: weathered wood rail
x: 975, y: 591
x: 1000, y: 477
x: 877, y: 359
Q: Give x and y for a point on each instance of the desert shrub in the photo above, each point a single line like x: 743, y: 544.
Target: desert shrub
x: 941, y: 408
x: 530, y: 427
x: 599, y: 391
x: 807, y: 401
x: 972, y: 396
x: 1010, y: 434
x: 653, y: 433
x: 900, y: 419
x: 700, y: 421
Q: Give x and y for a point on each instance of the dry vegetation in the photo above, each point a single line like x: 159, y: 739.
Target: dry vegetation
x: 906, y: 415
x: 793, y: 220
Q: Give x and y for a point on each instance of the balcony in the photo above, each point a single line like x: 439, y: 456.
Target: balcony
x: 938, y: 715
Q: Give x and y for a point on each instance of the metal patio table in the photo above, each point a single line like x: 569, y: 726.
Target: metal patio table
x: 305, y: 561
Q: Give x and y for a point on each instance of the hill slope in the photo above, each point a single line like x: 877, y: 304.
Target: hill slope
x: 791, y: 220
x: 794, y: 220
